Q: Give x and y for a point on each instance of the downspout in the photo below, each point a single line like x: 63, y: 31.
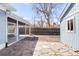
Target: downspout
x: 6, y: 44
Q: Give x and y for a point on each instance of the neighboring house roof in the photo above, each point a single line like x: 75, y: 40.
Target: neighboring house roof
x: 6, y: 6
x: 64, y: 12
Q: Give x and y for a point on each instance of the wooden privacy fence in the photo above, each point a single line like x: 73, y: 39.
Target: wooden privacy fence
x: 45, y: 31
x: 41, y: 31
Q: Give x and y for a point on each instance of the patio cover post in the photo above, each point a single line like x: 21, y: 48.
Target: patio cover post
x: 25, y: 29
x: 17, y: 31
x: 29, y: 30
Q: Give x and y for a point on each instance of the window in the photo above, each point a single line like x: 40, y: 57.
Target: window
x: 70, y: 25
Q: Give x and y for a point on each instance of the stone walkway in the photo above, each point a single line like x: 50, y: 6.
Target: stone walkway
x: 38, y: 46
x: 48, y: 47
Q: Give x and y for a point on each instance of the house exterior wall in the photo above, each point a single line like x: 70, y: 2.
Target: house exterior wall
x: 77, y: 29
x: 71, y: 38
x: 2, y: 27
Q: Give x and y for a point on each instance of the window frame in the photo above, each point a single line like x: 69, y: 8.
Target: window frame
x: 70, y: 18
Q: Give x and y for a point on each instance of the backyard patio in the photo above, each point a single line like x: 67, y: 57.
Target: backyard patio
x: 38, y: 45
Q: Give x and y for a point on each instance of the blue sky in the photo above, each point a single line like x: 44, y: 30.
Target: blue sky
x: 25, y: 10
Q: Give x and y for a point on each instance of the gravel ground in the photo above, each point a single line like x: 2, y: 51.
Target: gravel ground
x: 23, y: 47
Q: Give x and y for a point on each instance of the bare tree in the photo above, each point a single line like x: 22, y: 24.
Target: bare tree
x: 39, y: 23
x: 42, y: 22
x: 44, y: 10
x: 34, y: 22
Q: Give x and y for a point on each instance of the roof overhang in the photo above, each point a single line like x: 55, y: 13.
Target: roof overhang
x: 17, y: 18
x: 64, y: 11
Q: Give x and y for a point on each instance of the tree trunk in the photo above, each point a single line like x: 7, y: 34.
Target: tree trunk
x: 48, y: 20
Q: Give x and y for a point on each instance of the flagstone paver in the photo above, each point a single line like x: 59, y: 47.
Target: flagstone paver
x: 46, y: 47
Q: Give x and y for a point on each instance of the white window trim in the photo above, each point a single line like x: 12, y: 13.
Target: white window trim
x: 72, y: 17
